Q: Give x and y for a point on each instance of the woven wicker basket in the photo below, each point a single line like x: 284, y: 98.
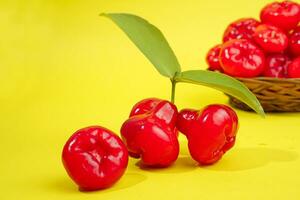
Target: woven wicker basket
x: 275, y: 95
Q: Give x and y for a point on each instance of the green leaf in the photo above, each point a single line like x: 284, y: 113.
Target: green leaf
x: 223, y: 83
x: 149, y: 40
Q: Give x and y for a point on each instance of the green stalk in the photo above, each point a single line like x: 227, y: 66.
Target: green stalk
x: 173, y: 90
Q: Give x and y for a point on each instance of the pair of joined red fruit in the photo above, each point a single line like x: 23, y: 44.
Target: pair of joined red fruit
x: 270, y: 48
x: 152, y: 129
x: 95, y: 157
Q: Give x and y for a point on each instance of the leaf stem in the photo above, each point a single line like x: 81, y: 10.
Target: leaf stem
x: 173, y: 90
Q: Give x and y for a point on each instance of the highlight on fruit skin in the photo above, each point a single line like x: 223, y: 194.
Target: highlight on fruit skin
x: 277, y: 65
x: 240, y: 29
x: 284, y: 15
x: 242, y: 58
x: 270, y: 38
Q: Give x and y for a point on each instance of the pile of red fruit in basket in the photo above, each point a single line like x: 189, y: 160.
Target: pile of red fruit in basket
x: 267, y: 48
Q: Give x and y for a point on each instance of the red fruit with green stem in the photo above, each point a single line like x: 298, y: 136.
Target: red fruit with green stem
x: 242, y: 58
x: 276, y: 66
x: 270, y: 38
x: 285, y: 15
x: 150, y: 133
x: 211, y: 132
x: 294, y: 68
x: 240, y: 29
x: 95, y: 158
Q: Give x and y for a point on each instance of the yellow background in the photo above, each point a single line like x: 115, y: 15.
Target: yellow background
x: 62, y: 67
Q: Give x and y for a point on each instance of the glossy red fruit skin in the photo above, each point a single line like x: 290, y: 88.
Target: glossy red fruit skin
x: 212, y: 58
x: 285, y: 15
x: 185, y: 119
x: 276, y: 66
x: 150, y: 133
x: 270, y: 38
x: 294, y: 68
x: 242, y: 58
x: 294, y: 42
x: 211, y: 132
x: 95, y: 158
x: 240, y: 29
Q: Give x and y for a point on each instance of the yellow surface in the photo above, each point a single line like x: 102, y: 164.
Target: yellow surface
x: 64, y: 68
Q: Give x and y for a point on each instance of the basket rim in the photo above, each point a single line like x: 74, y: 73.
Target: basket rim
x: 271, y: 79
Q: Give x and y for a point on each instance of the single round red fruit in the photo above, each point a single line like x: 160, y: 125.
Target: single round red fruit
x: 242, y: 58
x: 211, y: 132
x: 270, y: 38
x: 150, y: 133
x: 285, y: 15
x: 294, y: 68
x: 276, y: 66
x: 212, y: 58
x: 294, y: 42
x: 240, y: 29
x: 95, y: 158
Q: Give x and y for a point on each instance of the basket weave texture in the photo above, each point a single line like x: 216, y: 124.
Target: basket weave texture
x: 274, y: 94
